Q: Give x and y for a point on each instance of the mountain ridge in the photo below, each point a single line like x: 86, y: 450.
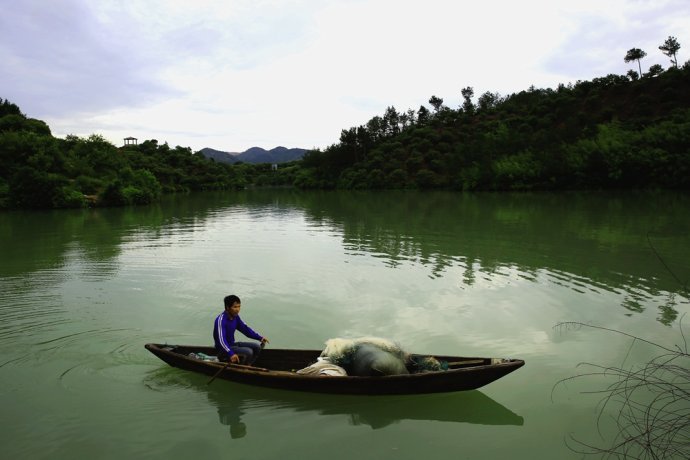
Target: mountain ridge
x: 255, y: 155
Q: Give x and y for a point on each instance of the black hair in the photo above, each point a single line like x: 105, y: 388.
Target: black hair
x: 230, y: 300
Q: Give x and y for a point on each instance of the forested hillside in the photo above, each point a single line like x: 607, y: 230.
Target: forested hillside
x: 38, y: 170
x: 611, y: 132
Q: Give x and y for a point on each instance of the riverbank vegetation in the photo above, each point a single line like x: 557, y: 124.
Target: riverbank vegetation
x: 38, y: 170
x: 625, y: 132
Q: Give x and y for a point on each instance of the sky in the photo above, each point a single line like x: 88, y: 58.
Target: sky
x: 234, y: 74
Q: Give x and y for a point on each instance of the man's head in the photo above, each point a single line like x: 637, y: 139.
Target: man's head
x: 229, y: 300
x: 232, y: 305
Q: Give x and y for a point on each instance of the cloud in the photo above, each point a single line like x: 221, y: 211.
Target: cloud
x: 58, y: 59
x: 600, y: 37
x: 233, y: 74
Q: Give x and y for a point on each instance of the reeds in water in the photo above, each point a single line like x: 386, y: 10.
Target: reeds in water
x: 649, y: 403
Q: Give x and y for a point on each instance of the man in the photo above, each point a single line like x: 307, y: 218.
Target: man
x: 224, y: 335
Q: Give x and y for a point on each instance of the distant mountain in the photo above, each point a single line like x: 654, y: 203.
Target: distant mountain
x: 255, y: 155
x: 217, y: 155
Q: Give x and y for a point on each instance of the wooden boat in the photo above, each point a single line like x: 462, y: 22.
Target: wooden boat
x: 276, y: 368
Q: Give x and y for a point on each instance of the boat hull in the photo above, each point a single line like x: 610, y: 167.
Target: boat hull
x: 276, y: 368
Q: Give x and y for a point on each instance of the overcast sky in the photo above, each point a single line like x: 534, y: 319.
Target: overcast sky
x: 232, y: 74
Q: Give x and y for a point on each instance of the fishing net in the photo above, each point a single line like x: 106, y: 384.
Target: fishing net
x: 375, y: 356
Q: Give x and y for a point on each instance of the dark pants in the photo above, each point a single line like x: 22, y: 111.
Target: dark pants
x: 247, y: 351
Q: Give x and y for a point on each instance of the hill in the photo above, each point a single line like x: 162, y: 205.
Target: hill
x: 611, y: 132
x: 255, y: 155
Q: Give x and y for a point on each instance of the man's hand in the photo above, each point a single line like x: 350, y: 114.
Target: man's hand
x: 235, y: 359
x: 264, y: 341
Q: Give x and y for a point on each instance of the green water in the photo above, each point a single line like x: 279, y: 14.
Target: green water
x: 82, y: 291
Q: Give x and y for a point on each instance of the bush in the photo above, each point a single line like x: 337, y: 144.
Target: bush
x: 516, y: 171
x: 147, y: 183
x: 30, y: 188
x: 426, y: 179
x: 397, y: 178
x: 89, y: 185
x: 135, y: 195
x: 469, y: 178
x: 112, y: 194
x: 136, y: 187
x: 68, y: 197
x: 4, y: 193
x: 375, y: 179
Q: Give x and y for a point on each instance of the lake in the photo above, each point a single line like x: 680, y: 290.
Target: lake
x: 82, y: 291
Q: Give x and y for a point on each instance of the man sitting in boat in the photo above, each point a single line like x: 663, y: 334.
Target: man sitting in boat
x: 224, y: 335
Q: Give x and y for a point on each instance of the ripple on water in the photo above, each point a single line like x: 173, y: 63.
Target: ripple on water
x: 112, y: 361
x: 24, y: 315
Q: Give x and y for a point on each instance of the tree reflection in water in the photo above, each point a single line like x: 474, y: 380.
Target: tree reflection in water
x: 582, y: 240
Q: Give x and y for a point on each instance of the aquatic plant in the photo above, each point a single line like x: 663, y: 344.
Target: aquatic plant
x: 649, y: 403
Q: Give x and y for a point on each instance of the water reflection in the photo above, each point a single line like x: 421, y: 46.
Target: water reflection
x: 235, y: 403
x: 636, y: 243
x: 497, y: 230
x: 377, y: 412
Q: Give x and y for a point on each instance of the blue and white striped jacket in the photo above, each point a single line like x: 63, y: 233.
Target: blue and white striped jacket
x: 224, y: 332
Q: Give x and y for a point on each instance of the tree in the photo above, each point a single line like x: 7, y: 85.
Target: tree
x: 34, y: 188
x: 488, y: 100
x: 375, y: 127
x: 8, y: 108
x: 654, y: 70
x: 635, y: 54
x: 411, y: 116
x: 467, y: 94
x: 348, y: 137
x: 436, y: 103
x: 391, y: 121
x: 670, y: 48
x: 422, y: 115
x: 404, y: 120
